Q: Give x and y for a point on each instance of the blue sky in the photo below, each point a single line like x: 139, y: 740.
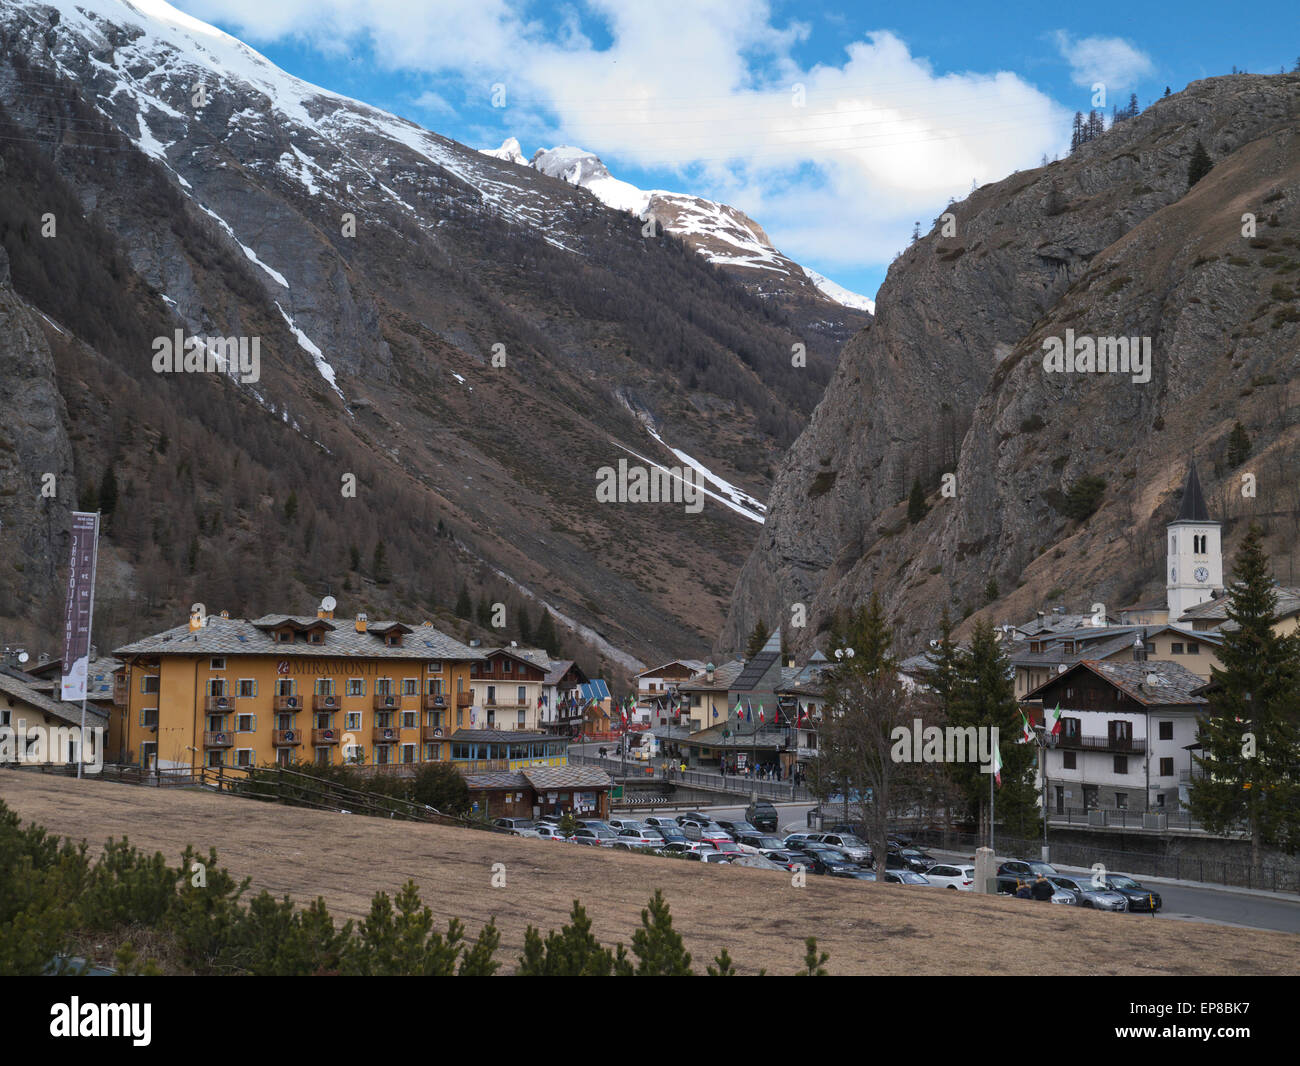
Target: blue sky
x: 835, y: 126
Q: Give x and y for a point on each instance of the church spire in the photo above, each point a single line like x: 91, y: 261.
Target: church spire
x: 1192, y: 508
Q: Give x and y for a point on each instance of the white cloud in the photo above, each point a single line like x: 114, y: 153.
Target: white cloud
x: 882, y: 139
x: 433, y: 102
x: 1111, y: 61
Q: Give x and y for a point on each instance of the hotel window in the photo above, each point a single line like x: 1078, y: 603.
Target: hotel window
x: 408, y: 719
x: 435, y: 686
x: 1070, y: 727
x: 352, y: 720
x: 1121, y: 801
x: 324, y: 686
x: 408, y: 753
x: 356, y: 686
x: 460, y: 718
x: 1176, y: 648
x: 491, y: 694
x: 383, y: 686
x: 245, y: 723
x: 522, y: 695
x: 149, y: 716
x: 283, y: 721
x: 317, y: 636
x: 217, y: 664
x: 216, y: 686
x: 509, y: 666
x: 216, y: 723
x: 286, y: 686
x: 283, y: 756
x: 149, y: 684
x: 410, y: 686
x: 383, y: 719
x: 1166, y: 730
x: 434, y: 667
x: 217, y: 758
x: 1167, y: 767
x: 324, y: 719
x: 1121, y: 764
x: 246, y: 688
x: 322, y: 756
x: 520, y: 723
x: 381, y: 755
x: 1069, y: 760
x: 244, y: 757
x: 473, y: 669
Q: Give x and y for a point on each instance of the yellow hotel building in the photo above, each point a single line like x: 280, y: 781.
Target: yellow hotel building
x: 287, y: 688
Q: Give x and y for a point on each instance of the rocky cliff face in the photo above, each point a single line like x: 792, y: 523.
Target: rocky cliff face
x: 37, y: 481
x: 950, y: 378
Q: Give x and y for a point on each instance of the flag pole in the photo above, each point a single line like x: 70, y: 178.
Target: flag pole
x: 90, y: 629
x: 991, y: 814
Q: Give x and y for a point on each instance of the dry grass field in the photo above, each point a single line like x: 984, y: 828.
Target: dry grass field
x: 756, y: 914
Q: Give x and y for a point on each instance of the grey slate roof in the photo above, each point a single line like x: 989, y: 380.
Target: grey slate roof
x: 497, y: 779
x: 1288, y: 603
x: 1176, y: 686
x: 551, y: 778
x: 16, y: 684
x: 759, y: 665
x: 239, y: 636
x: 724, y: 677
x: 498, y: 736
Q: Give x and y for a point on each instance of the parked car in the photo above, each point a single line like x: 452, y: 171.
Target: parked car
x: 686, y: 847
x: 739, y: 828
x: 599, y: 837
x: 852, y: 846
x: 917, y: 860
x: 663, y: 821
x: 893, y: 861
x: 694, y: 818
x: 619, y: 824
x: 671, y: 834
x: 594, y: 823
x: 717, y: 836
x: 794, y: 840
x: 710, y: 856
x: 857, y: 873
x: 550, y: 819
x: 1086, y: 894
x: 1139, y: 898
x: 906, y: 877
x: 1027, y: 869
x: 826, y: 860
x: 514, y: 823
x: 961, y: 878
x: 641, y: 839
x: 549, y: 832
x: 762, y: 815
x: 757, y: 862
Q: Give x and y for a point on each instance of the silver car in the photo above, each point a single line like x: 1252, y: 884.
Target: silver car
x: 1089, y: 895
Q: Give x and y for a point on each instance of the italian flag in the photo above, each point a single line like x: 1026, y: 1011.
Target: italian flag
x: 1026, y: 730
x: 997, y: 765
x: 1055, y: 720
x: 739, y: 713
x: 760, y: 711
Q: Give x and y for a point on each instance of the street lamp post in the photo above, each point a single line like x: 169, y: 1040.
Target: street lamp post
x: 845, y: 655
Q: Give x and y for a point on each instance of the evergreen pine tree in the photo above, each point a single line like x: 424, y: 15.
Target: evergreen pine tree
x: 1250, y: 735
x: 525, y: 626
x: 870, y: 638
x: 291, y: 506
x: 379, y: 565
x: 108, y: 492
x: 1238, y: 445
x: 1199, y: 166
x: 757, y: 638
x: 88, y: 501
x: 916, y: 508
x: 546, y: 637
x: 657, y: 945
x: 463, y: 607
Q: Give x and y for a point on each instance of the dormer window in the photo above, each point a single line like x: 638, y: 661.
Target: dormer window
x: 284, y: 636
x: 317, y: 636
x: 393, y: 640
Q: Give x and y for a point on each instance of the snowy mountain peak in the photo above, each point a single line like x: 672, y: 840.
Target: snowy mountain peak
x: 509, y: 151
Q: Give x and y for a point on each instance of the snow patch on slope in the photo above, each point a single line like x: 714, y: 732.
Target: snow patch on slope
x: 274, y: 274
x: 306, y: 344
x: 840, y: 294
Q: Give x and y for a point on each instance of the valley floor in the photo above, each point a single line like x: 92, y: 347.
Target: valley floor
x: 756, y: 914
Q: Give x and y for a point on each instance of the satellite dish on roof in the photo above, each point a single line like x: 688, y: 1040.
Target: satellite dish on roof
x: 1153, y: 680
x: 328, y: 603
x: 23, y: 656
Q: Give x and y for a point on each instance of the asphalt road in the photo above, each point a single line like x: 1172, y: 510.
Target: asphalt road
x: 1198, y: 902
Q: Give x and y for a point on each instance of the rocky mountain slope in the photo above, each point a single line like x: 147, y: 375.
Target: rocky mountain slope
x: 950, y: 378
x: 724, y: 235
x: 471, y: 341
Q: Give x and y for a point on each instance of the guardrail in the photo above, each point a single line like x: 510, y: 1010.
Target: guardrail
x: 786, y: 791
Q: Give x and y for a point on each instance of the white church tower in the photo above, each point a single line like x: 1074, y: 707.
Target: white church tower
x: 1195, y: 551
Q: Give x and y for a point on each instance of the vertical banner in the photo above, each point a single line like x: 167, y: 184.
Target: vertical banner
x: 81, y: 598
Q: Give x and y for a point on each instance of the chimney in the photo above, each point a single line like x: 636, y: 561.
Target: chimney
x: 225, y: 614
x: 361, y: 622
x: 196, y: 618
x: 708, y: 673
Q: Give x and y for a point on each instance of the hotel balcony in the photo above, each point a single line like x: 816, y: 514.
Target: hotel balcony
x: 288, y: 704
x: 219, y: 740
x: 464, y: 699
x: 432, y: 732
x: 387, y: 701
x: 386, y: 734
x: 434, y: 702
x: 218, y: 704
x: 325, y: 736
x: 121, y: 697
x: 1118, y: 745
x: 286, y: 738
x: 324, y: 703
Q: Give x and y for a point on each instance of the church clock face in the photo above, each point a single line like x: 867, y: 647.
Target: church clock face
x: 1201, y: 574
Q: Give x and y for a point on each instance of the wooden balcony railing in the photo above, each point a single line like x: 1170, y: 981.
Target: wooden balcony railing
x: 325, y: 736
x: 218, y: 740
x: 286, y: 738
